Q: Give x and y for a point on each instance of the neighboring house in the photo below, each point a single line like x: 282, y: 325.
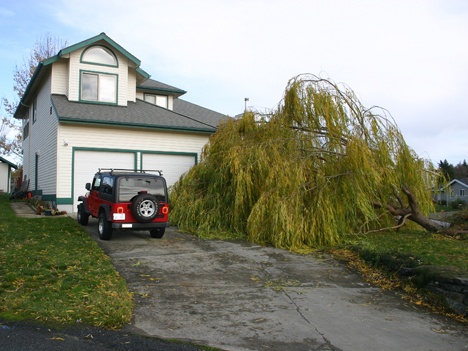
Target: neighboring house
x: 5, y: 175
x: 91, y: 106
x: 457, y: 189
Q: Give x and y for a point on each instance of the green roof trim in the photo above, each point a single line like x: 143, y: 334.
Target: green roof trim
x: 143, y: 73
x: 135, y: 125
x: 95, y: 39
x: 11, y: 164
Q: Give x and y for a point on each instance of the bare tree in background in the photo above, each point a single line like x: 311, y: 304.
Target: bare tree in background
x: 45, y: 47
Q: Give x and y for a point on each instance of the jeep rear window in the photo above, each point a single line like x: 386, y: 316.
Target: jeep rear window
x: 130, y: 187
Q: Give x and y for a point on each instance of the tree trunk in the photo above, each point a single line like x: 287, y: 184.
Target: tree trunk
x: 413, y: 213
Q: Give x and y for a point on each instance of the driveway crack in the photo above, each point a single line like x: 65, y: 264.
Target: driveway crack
x: 327, y: 342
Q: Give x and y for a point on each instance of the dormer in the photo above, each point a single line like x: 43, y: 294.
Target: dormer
x: 100, y: 71
x: 158, y: 93
x: 96, y: 71
x: 99, y: 75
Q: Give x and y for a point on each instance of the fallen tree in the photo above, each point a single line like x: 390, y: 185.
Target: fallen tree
x: 319, y: 166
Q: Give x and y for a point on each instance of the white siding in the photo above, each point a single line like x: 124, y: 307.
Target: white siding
x: 4, y: 180
x: 60, y: 77
x: 42, y: 140
x: 131, y: 89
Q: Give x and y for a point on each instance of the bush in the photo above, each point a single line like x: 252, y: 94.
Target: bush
x: 458, y: 204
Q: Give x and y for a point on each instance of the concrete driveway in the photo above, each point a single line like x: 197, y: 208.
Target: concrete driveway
x: 240, y: 296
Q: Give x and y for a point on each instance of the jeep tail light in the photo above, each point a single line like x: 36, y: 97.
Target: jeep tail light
x: 119, y: 215
x: 165, y: 210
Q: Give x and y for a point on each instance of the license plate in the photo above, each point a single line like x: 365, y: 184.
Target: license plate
x: 119, y: 216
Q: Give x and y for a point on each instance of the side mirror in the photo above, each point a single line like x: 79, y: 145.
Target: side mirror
x: 88, y: 186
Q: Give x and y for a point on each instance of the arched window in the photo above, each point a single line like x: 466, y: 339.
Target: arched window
x: 99, y: 55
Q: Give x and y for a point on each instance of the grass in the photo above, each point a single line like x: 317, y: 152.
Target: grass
x: 414, y: 248
x: 51, y: 271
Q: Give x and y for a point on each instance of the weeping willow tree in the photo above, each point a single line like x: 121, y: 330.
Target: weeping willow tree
x: 321, y: 165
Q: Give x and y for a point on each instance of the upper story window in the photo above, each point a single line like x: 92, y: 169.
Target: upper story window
x: 462, y: 192
x: 34, y: 110
x: 25, y: 128
x: 99, y: 87
x: 99, y: 55
x: 160, y: 100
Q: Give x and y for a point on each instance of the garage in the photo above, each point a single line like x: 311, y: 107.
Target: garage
x: 171, y: 165
x: 87, y: 163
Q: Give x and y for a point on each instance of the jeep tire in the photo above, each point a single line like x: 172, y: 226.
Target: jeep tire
x: 157, y: 233
x: 145, y: 208
x: 104, y: 227
x: 81, y: 216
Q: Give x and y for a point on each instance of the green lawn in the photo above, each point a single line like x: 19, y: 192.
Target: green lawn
x: 51, y: 271
x: 412, y: 248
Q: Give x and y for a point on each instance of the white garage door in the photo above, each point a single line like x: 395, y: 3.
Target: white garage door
x: 172, y: 166
x: 87, y: 164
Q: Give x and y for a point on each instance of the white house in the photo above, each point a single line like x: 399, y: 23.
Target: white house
x: 5, y: 174
x: 91, y: 106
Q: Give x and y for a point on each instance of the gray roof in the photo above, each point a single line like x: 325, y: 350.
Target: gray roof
x: 185, y: 116
x: 154, y: 85
x: 462, y: 181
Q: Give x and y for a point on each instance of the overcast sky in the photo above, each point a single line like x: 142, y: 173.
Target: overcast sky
x: 408, y: 56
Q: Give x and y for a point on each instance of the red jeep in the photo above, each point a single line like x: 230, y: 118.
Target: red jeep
x: 123, y: 199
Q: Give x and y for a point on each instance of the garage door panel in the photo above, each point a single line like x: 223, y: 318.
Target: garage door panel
x: 172, y: 166
x: 87, y: 163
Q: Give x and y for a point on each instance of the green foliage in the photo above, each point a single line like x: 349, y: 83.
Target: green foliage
x: 394, y: 250
x: 457, y: 204
x: 447, y: 170
x: 311, y: 172
x: 51, y: 271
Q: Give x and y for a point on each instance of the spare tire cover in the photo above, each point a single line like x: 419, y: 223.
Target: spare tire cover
x: 145, y: 207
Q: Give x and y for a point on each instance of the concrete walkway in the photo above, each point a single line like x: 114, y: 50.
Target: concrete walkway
x: 22, y: 209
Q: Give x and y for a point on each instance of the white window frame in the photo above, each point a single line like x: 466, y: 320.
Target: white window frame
x: 158, y: 100
x: 108, y: 59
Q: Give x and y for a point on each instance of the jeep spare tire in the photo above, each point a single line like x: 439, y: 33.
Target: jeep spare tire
x: 145, y: 207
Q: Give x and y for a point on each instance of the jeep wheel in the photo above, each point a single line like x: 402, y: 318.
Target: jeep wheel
x: 81, y: 216
x: 104, y: 227
x: 157, y: 233
x: 145, y: 207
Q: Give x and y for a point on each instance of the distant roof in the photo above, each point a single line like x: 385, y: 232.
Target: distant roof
x: 462, y: 181
x: 8, y: 162
x: 140, y: 114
